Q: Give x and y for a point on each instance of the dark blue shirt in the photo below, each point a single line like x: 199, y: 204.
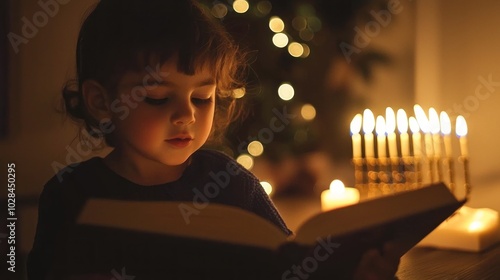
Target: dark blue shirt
x: 211, y: 177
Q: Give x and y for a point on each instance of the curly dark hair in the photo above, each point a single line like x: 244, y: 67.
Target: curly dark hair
x: 125, y: 35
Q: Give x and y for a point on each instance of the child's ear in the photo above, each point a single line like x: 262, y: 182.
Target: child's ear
x: 96, y: 100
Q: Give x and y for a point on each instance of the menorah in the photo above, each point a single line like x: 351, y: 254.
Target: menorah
x: 414, y: 162
x: 425, y: 157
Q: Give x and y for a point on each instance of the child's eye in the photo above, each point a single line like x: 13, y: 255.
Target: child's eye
x: 201, y: 101
x: 149, y: 85
x: 154, y: 101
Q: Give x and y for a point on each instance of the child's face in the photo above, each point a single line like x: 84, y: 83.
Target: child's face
x: 171, y: 122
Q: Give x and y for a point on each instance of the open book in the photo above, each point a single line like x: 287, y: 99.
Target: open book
x: 225, y: 238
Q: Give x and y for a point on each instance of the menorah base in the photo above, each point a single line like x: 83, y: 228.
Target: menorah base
x: 469, y: 229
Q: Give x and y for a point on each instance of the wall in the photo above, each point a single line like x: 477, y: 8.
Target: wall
x: 38, y: 68
x: 38, y: 134
x: 456, y: 51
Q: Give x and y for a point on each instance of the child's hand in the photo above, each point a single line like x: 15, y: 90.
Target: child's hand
x: 374, y: 266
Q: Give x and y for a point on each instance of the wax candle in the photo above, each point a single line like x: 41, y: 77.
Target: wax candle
x: 368, y: 127
x: 435, y: 129
x: 446, y: 130
x: 338, y: 196
x: 380, y: 129
x: 403, y: 130
x: 356, y: 137
x: 390, y: 126
x: 423, y: 123
x: 416, y: 137
x: 461, y: 130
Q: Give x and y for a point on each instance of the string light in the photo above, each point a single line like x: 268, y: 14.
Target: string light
x: 286, y: 91
x: 295, y: 49
x: 276, y: 24
x: 308, y: 112
x: 255, y: 148
x: 241, y: 6
x: 280, y: 40
x: 246, y: 161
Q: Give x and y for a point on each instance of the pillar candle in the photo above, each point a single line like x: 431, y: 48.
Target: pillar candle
x: 403, y: 130
x: 338, y: 196
x: 461, y: 129
x: 356, y: 137
x: 416, y: 137
x: 423, y: 123
x: 446, y: 130
x: 380, y: 129
x: 390, y: 126
x: 429, y: 146
x: 368, y: 127
x: 435, y: 130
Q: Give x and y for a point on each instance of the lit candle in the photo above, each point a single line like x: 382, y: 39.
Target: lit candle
x: 368, y: 127
x: 435, y: 129
x: 338, y: 196
x: 461, y: 129
x: 390, y: 126
x: 380, y: 129
x: 356, y: 137
x: 446, y: 130
x: 469, y: 229
x: 403, y: 130
x: 416, y: 138
x: 423, y: 123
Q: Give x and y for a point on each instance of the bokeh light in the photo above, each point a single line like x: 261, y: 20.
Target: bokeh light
x: 286, y: 91
x: 307, y: 51
x: 299, y: 23
x: 264, y: 7
x: 255, y: 148
x: 276, y: 24
x: 306, y: 34
x: 314, y: 23
x: 268, y: 188
x: 280, y: 40
x: 246, y: 161
x: 295, y: 49
x: 219, y: 10
x: 308, y: 112
x: 239, y: 92
x: 241, y: 6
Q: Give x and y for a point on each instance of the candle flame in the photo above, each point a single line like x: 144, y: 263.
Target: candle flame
x: 380, y: 126
x: 402, y: 121
x: 423, y: 122
x: 368, y: 121
x: 434, y: 121
x: 414, y: 125
x: 445, y: 123
x: 461, y: 126
x: 390, y: 120
x: 356, y: 124
x: 337, y: 187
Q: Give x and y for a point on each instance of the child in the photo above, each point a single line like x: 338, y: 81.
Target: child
x: 155, y: 80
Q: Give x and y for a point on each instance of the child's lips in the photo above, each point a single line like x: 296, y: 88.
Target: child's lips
x: 180, y: 142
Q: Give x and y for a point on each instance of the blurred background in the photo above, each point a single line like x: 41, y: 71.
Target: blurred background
x: 332, y: 60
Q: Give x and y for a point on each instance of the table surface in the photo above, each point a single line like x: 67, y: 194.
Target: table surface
x: 419, y: 263
x: 427, y: 263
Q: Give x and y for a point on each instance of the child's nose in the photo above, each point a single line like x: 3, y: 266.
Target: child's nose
x: 183, y: 114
